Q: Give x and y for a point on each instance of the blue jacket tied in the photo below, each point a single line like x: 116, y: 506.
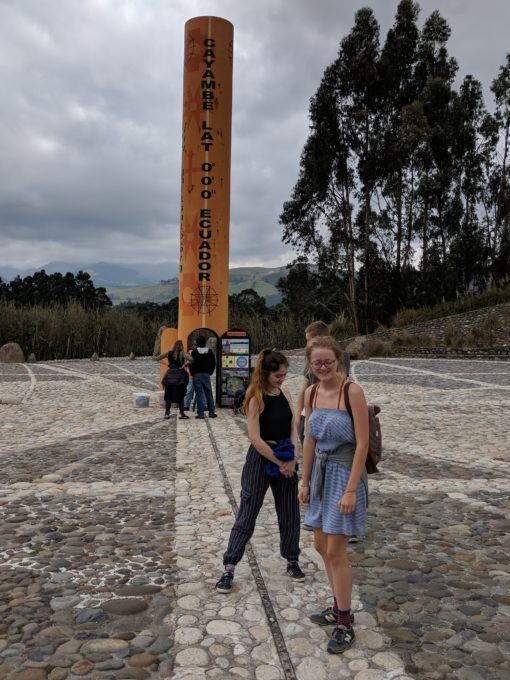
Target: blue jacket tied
x: 283, y: 450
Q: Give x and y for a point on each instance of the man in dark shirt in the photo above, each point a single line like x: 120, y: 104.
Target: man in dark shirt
x: 201, y: 369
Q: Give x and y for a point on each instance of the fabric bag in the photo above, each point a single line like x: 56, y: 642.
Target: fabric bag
x: 374, y: 454
x: 175, y: 376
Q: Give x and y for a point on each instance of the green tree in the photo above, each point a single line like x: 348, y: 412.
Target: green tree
x: 499, y: 235
x: 402, y: 132
x: 248, y: 301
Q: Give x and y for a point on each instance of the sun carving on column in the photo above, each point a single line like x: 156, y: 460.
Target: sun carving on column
x: 204, y: 299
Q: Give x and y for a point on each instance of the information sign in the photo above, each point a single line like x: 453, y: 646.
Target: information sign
x: 234, y: 365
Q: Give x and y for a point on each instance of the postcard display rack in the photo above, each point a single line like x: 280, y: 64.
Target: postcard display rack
x: 234, y: 365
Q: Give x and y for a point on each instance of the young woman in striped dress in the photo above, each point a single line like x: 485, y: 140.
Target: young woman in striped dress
x: 334, y: 483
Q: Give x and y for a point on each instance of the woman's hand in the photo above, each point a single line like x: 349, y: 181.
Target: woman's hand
x: 347, y: 503
x: 289, y: 468
x: 304, y: 494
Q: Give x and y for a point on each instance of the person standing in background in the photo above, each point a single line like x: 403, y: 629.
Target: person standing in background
x: 176, y: 389
x: 190, y: 390
x: 313, y: 330
x: 201, y: 368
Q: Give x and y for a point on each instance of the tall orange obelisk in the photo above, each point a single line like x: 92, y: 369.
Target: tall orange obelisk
x: 205, y: 181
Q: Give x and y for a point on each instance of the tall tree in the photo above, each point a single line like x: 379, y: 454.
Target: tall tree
x: 434, y: 73
x: 500, y: 240
x: 397, y: 79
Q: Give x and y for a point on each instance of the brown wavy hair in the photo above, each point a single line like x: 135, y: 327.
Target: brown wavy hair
x: 269, y: 361
x: 177, y: 348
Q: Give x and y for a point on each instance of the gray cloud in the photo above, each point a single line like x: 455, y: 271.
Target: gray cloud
x: 90, y: 123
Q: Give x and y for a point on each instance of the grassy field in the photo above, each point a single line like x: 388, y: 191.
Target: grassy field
x: 261, y: 279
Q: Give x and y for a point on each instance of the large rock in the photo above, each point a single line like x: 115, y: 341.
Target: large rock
x: 11, y: 353
x: 157, y: 342
x: 355, y: 347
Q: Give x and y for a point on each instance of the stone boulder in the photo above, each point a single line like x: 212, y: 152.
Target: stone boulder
x: 11, y: 353
x: 355, y: 347
x: 157, y: 342
x: 94, y: 357
x: 10, y: 399
x: 132, y: 356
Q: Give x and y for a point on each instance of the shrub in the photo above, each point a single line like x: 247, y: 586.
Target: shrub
x: 453, y: 336
x: 374, y: 347
x: 406, y: 339
x: 341, y: 327
x: 489, y: 298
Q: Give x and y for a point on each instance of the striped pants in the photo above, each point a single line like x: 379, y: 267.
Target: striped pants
x: 254, y: 484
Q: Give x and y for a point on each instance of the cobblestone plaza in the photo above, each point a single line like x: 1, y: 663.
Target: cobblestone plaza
x: 113, y: 522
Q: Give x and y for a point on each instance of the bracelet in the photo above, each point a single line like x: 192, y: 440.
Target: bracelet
x: 305, y: 483
x: 349, y: 492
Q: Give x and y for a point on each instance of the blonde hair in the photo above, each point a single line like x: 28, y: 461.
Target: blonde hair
x: 325, y: 342
x: 269, y: 361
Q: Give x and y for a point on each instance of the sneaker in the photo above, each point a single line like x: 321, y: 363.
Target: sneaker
x: 201, y: 417
x: 326, y: 617
x: 355, y: 539
x: 183, y: 416
x: 213, y: 415
x: 341, y: 640
x: 224, y: 585
x: 167, y: 415
x: 294, y: 571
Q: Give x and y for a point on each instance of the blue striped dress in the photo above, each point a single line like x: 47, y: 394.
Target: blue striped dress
x: 330, y: 428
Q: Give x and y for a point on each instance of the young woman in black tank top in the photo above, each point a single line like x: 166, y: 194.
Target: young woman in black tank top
x: 269, y: 413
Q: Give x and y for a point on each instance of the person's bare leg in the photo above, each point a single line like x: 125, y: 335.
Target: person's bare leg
x: 340, y: 574
x: 320, y: 541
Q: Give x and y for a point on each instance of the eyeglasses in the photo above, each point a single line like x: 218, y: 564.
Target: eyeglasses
x: 325, y: 362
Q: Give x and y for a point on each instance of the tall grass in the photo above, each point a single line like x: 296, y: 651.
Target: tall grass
x: 489, y: 298
x: 283, y: 332
x: 72, y: 332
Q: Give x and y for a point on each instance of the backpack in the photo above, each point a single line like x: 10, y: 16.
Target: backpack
x: 175, y: 376
x: 238, y: 402
x: 374, y: 454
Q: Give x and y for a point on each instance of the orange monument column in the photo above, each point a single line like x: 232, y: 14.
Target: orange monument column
x: 205, y: 182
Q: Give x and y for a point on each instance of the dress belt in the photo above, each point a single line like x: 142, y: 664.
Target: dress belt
x: 342, y: 455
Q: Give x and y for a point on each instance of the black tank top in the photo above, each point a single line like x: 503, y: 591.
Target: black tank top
x: 276, y: 418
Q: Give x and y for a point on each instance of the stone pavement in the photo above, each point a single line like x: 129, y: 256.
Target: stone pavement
x: 113, y: 522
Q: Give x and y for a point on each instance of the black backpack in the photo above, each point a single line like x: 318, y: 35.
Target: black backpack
x: 175, y: 376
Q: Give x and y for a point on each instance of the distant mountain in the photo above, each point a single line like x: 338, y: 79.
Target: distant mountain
x: 261, y: 279
x: 106, y: 274
x: 8, y: 273
x: 143, y: 282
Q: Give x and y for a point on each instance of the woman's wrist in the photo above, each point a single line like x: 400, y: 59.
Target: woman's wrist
x: 350, y: 491
x: 304, y: 483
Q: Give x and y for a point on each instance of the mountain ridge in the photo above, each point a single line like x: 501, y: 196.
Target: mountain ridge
x: 130, y: 283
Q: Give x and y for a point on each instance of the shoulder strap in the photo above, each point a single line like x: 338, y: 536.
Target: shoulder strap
x: 346, y: 399
x: 313, y: 393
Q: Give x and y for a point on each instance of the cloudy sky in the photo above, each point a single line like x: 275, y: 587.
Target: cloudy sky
x: 91, y: 105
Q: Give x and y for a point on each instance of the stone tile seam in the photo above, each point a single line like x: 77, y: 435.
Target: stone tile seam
x: 276, y: 632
